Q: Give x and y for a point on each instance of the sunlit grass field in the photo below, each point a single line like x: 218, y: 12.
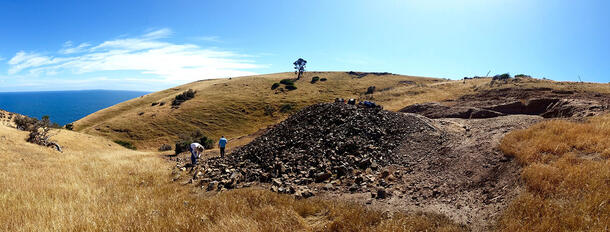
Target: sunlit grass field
x: 96, y: 185
x: 566, y: 174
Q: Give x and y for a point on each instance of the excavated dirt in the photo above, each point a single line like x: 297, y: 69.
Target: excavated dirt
x: 389, y: 160
x: 545, y: 102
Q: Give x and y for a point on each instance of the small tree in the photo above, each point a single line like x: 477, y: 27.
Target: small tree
x: 299, y: 67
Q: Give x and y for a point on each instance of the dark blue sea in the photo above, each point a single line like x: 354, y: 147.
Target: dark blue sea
x: 63, y: 107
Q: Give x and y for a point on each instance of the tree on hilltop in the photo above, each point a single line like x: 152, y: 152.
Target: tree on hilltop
x: 299, y: 67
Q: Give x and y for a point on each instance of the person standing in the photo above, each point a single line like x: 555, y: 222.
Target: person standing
x: 196, y: 151
x: 222, y: 143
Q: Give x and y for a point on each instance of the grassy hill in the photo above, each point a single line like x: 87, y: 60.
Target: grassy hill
x: 236, y: 107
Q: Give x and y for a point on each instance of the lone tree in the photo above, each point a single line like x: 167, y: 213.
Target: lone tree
x: 299, y: 67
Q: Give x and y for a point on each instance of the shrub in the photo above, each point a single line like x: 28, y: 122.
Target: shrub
x: 269, y: 110
x: 275, y: 85
x: 370, y: 90
x: 291, y: 87
x: 287, y: 81
x: 70, y: 126
x: 185, y: 140
x: 323, y: 79
x: 522, y: 76
x: 24, y: 123
x: 185, y: 96
x: 154, y: 104
x: 165, y: 147
x: 125, y: 144
x: 285, y: 108
x: 315, y: 79
x: 504, y: 76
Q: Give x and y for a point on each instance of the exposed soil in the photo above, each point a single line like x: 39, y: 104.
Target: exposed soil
x: 541, y: 101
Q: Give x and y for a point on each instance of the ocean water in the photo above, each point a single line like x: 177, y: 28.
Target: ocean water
x: 63, y: 107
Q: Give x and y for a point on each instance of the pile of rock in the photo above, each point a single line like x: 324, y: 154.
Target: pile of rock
x: 330, y: 146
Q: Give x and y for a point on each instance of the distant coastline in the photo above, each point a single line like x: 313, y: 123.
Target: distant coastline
x: 64, y: 107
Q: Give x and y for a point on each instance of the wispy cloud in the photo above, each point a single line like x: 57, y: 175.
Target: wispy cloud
x: 146, y: 54
x: 68, y: 48
x: 215, y: 39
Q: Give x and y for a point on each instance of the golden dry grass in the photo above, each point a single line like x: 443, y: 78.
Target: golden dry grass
x: 96, y: 185
x: 567, y: 176
x: 235, y: 107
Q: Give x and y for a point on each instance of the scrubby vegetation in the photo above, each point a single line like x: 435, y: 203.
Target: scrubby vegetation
x: 185, y: 140
x: 165, y: 147
x: 275, y: 85
x: 286, y: 107
x: 287, y: 81
x: 315, y: 79
x: 125, y: 144
x: 370, y: 90
x: 39, y: 130
x: 291, y: 87
x: 185, y: 96
x: 323, y: 79
x: 566, y: 174
x: 522, y: 76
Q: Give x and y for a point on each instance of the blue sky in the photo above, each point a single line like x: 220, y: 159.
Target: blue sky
x: 154, y: 45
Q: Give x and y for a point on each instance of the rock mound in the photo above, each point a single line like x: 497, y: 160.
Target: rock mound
x: 334, y: 143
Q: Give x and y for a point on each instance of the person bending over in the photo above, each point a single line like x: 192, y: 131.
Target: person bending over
x: 196, y: 151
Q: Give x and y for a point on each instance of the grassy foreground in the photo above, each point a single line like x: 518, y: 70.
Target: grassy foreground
x: 96, y: 185
x: 567, y: 176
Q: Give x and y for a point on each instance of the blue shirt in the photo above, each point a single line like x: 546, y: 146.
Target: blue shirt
x: 222, y: 142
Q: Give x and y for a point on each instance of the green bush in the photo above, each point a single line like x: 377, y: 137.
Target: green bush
x: 323, y: 79
x: 185, y: 96
x: 522, y: 76
x: 285, y: 108
x: 185, y: 140
x: 125, y: 144
x: 287, y: 81
x: 315, y: 79
x: 291, y: 87
x: 70, y: 126
x: 275, y: 85
x: 165, y: 147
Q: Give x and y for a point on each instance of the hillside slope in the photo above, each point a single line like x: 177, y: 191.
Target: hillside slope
x: 236, y: 107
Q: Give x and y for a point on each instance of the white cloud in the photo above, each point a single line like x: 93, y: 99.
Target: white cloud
x: 146, y: 54
x: 69, y: 49
x: 215, y: 39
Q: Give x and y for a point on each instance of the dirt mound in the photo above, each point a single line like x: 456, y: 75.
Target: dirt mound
x: 336, y: 143
x: 541, y: 101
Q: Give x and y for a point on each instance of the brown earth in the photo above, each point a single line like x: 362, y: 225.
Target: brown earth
x: 545, y: 102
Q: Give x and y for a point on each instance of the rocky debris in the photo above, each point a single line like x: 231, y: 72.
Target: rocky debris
x: 334, y: 145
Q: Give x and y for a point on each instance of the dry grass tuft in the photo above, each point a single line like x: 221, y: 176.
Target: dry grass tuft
x: 96, y: 185
x: 567, y: 175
